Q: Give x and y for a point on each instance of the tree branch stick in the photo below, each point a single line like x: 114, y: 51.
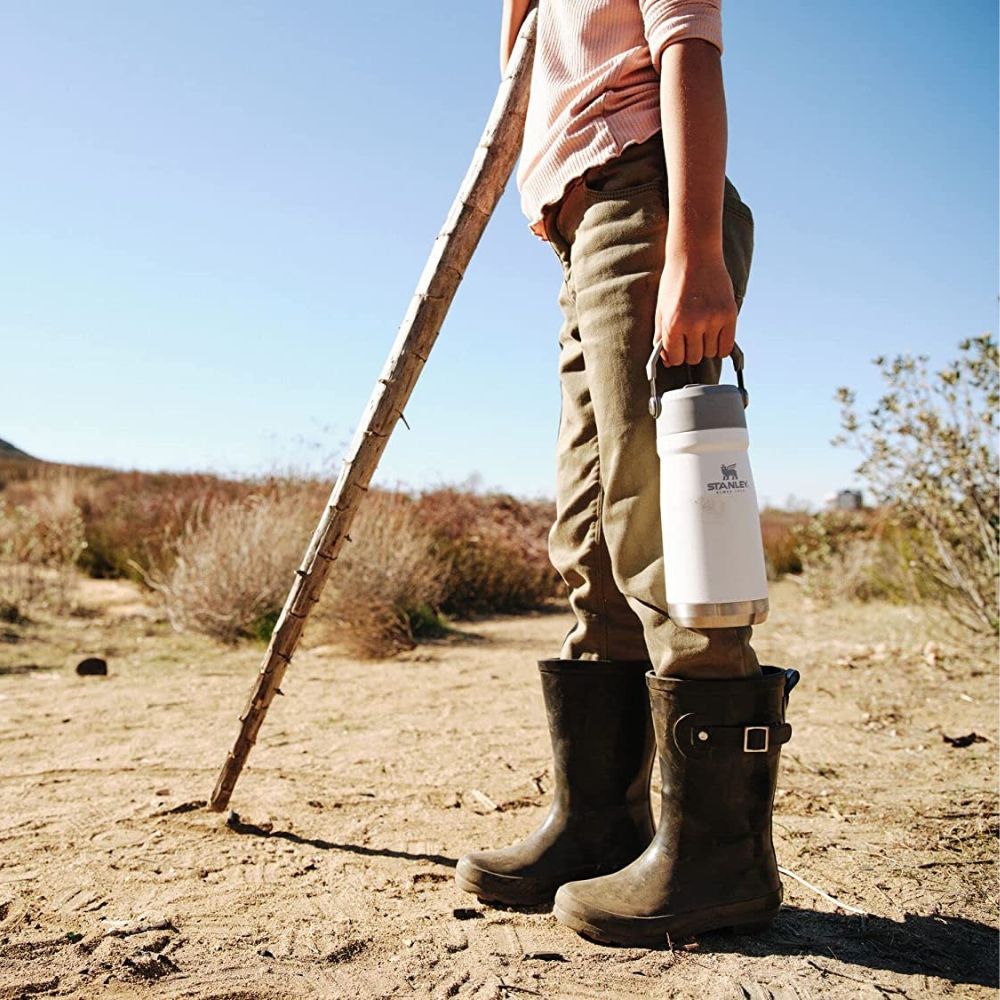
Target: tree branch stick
x: 481, y: 189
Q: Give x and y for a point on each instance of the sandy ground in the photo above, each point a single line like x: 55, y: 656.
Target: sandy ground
x: 370, y: 780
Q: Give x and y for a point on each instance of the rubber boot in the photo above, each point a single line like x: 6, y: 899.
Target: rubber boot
x: 711, y: 864
x: 602, y: 759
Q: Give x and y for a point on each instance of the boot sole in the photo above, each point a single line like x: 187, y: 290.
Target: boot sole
x: 514, y: 894
x: 746, y: 917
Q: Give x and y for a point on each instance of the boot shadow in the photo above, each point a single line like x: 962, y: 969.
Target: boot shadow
x: 954, y: 948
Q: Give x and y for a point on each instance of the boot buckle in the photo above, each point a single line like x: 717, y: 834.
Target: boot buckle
x: 764, y: 746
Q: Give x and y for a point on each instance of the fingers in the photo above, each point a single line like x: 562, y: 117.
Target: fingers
x: 711, y: 343
x: 659, y: 336
x: 681, y: 348
x: 683, y: 345
x: 727, y: 337
x: 695, y: 348
x: 673, y: 346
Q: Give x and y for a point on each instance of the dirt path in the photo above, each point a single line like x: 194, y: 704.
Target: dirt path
x: 370, y: 780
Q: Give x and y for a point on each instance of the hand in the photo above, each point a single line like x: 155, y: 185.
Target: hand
x: 695, y: 308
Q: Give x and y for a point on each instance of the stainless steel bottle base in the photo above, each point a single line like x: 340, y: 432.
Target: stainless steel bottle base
x: 727, y: 615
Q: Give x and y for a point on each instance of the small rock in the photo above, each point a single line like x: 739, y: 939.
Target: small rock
x: 149, y: 966
x: 92, y: 666
x: 485, y: 803
x: 467, y: 913
x: 457, y: 941
x: 964, y: 741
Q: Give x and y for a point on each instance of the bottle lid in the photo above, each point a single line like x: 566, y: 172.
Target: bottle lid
x: 701, y: 408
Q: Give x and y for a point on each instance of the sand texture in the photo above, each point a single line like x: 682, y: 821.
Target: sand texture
x: 371, y: 779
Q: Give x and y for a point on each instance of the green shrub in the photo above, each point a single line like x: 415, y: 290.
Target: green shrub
x: 929, y: 455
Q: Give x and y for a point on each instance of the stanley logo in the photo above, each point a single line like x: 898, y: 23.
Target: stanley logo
x: 730, y: 482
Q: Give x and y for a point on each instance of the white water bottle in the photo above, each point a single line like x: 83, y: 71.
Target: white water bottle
x: 712, y: 546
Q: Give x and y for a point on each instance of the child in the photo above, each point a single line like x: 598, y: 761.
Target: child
x: 624, y: 95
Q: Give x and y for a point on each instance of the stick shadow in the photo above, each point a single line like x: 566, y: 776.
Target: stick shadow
x: 252, y: 829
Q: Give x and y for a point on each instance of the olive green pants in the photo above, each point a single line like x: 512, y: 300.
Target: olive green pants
x: 609, y: 232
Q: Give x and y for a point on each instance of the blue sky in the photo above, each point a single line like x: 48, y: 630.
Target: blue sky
x: 214, y: 216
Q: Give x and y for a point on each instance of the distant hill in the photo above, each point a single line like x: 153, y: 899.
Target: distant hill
x: 7, y: 450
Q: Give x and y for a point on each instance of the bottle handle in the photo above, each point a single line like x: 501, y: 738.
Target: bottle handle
x: 736, y: 356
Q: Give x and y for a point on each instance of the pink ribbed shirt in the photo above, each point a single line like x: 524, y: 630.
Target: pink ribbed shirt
x: 595, y: 85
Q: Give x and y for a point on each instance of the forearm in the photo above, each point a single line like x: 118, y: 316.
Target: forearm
x: 696, y: 310
x: 514, y: 13
x: 693, y: 113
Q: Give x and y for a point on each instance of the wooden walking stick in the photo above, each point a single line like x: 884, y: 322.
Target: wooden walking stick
x: 484, y: 182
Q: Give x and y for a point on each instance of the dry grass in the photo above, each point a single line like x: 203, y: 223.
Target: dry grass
x: 496, y: 550
x: 47, y: 532
x: 221, y: 553
x: 859, y: 556
x: 130, y: 519
x: 39, y: 547
x: 781, y: 542
x: 387, y: 586
x: 229, y: 569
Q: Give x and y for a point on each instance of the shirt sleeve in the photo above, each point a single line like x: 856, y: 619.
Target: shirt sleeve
x: 669, y: 21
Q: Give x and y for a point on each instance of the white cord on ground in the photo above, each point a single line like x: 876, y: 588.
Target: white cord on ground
x: 825, y: 895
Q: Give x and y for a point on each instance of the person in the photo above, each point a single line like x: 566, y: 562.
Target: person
x: 622, y: 172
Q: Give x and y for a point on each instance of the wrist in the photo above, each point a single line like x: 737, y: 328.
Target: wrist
x: 685, y: 244
x: 694, y: 232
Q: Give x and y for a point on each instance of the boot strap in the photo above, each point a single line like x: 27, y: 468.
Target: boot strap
x: 696, y: 739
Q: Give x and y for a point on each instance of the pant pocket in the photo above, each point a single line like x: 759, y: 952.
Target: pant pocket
x: 636, y: 170
x: 737, y: 241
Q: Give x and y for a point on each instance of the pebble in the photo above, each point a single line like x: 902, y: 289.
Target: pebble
x: 92, y: 666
